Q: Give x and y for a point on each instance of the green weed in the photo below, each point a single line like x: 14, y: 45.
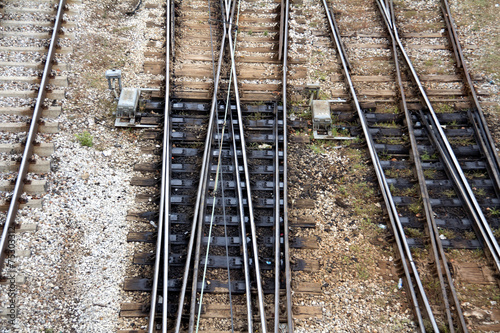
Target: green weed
x: 415, y: 207
x: 449, y: 193
x: 443, y: 108
x: 430, y: 173
x: 494, y: 211
x: 317, y: 149
x: 480, y: 192
x: 85, y: 139
x: 414, y: 233
x: 449, y: 234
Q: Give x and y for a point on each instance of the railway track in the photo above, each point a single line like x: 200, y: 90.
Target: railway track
x: 32, y: 41
x: 448, y: 144
x: 438, y: 177
x: 222, y: 234
x: 419, y: 214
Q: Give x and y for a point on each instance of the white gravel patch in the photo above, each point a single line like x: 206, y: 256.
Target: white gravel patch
x: 79, y: 254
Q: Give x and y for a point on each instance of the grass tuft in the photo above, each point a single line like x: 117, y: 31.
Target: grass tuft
x: 85, y: 139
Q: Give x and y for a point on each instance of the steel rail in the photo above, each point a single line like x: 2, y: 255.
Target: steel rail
x: 244, y: 244
x: 199, y: 237
x: 484, y: 134
x: 201, y: 205
x: 227, y: 24
x: 400, y: 239
x: 247, y: 182
x: 241, y: 208
x: 31, y: 136
x: 201, y: 188
x: 465, y: 189
x: 455, y: 174
x: 286, y: 231
x: 255, y: 248
x: 283, y: 53
x: 277, y: 218
x: 218, y: 175
x: 335, y: 30
x: 226, y: 238
x: 437, y: 246
x: 280, y: 45
x: 172, y: 28
x: 224, y: 216
x: 164, y: 211
x: 424, y: 193
x: 479, y: 131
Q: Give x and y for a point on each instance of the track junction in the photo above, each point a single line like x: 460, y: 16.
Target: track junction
x: 217, y: 204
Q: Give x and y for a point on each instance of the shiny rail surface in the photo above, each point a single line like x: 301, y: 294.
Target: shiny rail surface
x: 448, y: 291
x: 162, y: 243
x: 478, y: 119
x: 429, y: 119
x: 414, y: 285
x: 286, y: 228
x: 446, y: 152
x: 189, y: 290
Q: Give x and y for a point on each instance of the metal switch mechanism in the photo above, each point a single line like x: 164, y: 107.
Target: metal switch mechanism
x: 114, y: 75
x: 322, y: 121
x: 129, y: 103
